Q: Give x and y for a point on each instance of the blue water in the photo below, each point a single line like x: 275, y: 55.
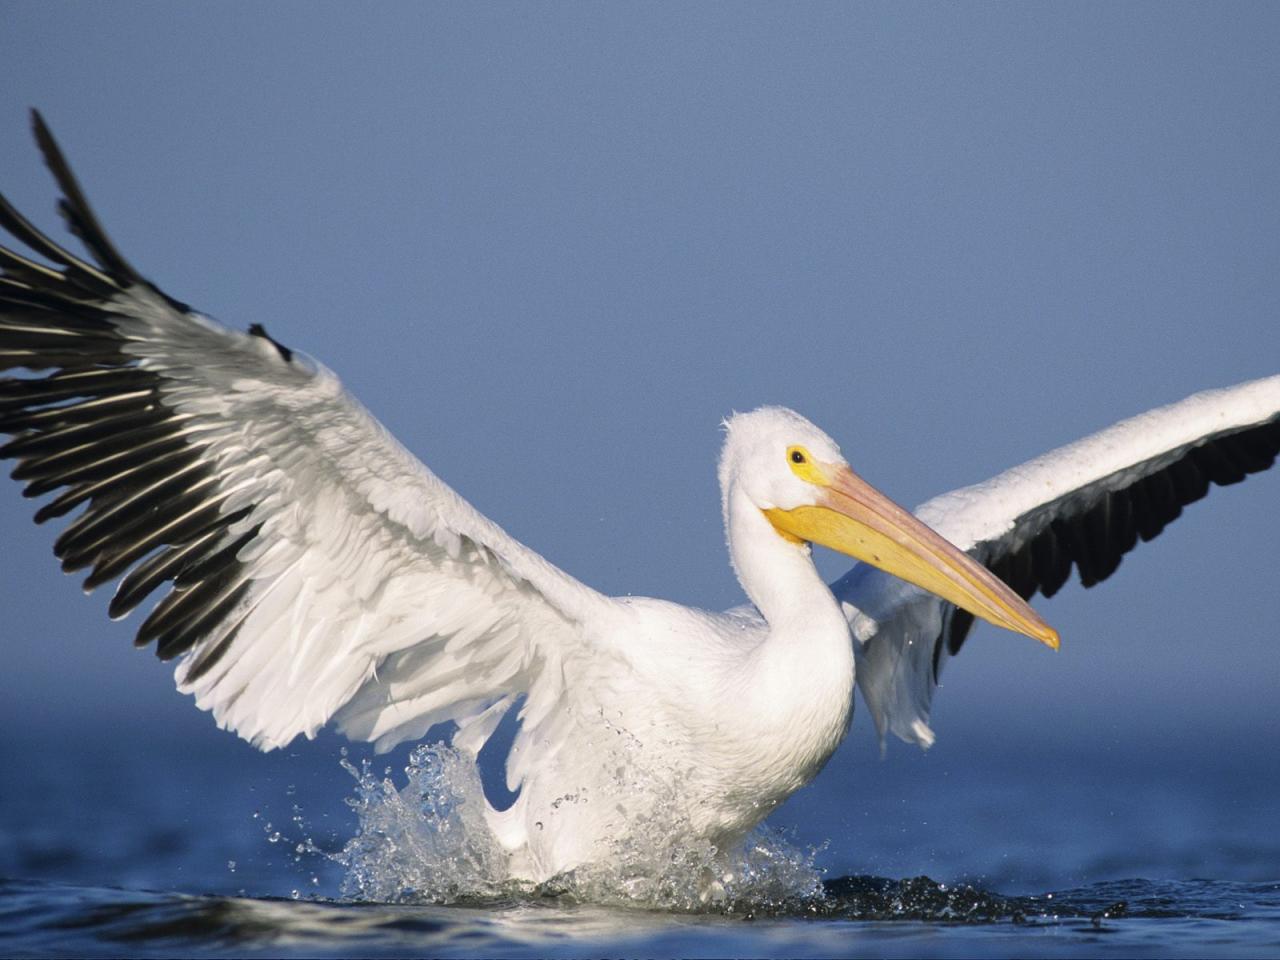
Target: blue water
x: 144, y: 842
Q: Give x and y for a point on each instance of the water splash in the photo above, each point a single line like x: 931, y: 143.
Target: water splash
x: 428, y: 842
x: 425, y: 842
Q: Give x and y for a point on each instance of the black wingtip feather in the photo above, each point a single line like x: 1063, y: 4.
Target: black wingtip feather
x: 97, y: 432
x: 82, y: 273
x: 82, y: 221
x: 75, y: 207
x: 1096, y: 539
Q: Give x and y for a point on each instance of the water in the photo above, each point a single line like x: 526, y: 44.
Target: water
x: 863, y: 916
x: 128, y: 842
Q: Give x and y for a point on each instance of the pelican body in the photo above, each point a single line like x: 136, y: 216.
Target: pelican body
x: 312, y: 571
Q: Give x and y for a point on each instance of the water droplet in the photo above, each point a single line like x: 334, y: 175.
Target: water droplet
x: 231, y: 865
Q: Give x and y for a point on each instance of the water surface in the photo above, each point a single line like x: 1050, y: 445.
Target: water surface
x: 120, y: 842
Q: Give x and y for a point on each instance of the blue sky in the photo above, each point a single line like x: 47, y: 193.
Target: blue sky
x: 551, y: 246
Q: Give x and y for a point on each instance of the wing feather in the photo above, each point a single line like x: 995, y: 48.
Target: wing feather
x: 1082, y: 506
x: 311, y: 568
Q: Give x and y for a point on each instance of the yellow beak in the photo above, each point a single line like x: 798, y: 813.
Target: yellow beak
x: 860, y: 521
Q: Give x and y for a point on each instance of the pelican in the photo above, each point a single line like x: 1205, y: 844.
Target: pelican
x: 313, y: 572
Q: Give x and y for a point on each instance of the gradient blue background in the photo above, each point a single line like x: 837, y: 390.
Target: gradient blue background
x: 552, y: 246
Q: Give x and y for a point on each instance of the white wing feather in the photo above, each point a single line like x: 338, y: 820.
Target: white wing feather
x: 900, y: 630
x: 1014, y: 506
x: 318, y: 569
x: 374, y: 588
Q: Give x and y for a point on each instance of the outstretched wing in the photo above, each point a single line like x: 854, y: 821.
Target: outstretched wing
x: 310, y: 566
x: 1084, y: 505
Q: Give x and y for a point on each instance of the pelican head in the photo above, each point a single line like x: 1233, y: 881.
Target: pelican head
x: 795, y: 475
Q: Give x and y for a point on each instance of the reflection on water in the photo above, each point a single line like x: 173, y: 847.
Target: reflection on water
x: 856, y: 915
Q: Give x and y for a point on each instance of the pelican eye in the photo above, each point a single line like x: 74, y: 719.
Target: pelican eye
x: 802, y: 464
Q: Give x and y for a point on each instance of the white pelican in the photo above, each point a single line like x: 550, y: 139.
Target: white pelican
x: 317, y: 573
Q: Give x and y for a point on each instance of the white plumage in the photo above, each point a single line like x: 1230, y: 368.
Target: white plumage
x: 321, y: 574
